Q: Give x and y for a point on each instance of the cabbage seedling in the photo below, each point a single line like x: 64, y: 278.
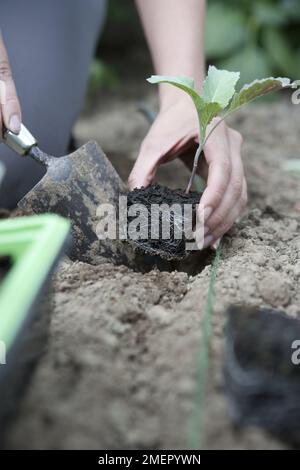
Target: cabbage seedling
x: 218, y: 97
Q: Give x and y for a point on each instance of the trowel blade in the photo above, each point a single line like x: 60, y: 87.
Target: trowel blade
x: 74, y: 186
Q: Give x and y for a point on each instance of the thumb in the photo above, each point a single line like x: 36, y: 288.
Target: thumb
x: 10, y: 107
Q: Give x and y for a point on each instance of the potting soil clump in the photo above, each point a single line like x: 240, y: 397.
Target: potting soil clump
x: 163, y: 218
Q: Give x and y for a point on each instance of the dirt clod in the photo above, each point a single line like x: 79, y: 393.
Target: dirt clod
x: 172, y: 245
x: 275, y: 289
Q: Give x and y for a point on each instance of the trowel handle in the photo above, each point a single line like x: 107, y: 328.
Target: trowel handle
x: 20, y: 143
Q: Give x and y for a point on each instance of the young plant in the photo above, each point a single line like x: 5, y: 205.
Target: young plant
x: 218, y: 97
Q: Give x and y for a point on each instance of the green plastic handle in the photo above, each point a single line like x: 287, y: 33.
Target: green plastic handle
x: 34, y: 244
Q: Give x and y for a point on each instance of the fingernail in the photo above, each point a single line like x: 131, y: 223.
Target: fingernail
x: 15, y: 124
x: 207, y: 241
x: 207, y: 213
x: 217, y: 243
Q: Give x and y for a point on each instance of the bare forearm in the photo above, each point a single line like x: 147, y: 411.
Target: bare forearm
x: 174, y: 31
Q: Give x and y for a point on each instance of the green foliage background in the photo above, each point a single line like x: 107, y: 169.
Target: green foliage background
x: 113, y: 59
x: 258, y: 37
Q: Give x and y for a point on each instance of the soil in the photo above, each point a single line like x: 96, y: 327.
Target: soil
x: 121, y: 365
x: 173, y: 247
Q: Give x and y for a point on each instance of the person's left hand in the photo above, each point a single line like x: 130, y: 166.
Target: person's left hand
x: 173, y: 134
x: 10, y: 111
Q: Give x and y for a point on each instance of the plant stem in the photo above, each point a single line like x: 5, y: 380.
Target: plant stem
x: 199, y: 150
x: 195, y: 165
x: 215, y: 126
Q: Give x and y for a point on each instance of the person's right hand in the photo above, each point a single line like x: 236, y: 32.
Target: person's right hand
x: 10, y: 112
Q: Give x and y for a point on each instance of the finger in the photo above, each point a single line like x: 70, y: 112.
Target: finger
x: 245, y: 193
x: 235, y: 187
x: 146, y: 165
x: 11, y: 112
x: 143, y: 171
x: 231, y: 218
x: 153, y: 155
x: 183, y: 146
x: 218, y: 159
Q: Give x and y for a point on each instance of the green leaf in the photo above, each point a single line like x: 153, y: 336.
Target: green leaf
x: 280, y: 51
x: 257, y: 88
x: 181, y: 81
x: 206, y: 111
x: 225, y: 30
x: 184, y: 83
x: 218, y: 90
x: 292, y: 165
x: 219, y: 86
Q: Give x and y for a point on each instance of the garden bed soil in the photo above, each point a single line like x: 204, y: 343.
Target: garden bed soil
x: 121, y: 365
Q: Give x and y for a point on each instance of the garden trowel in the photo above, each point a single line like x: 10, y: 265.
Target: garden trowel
x: 74, y: 186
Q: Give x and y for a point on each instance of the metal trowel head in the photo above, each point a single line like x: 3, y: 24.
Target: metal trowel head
x: 74, y: 186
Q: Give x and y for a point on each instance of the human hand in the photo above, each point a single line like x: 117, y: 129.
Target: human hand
x: 10, y: 112
x: 174, y: 134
